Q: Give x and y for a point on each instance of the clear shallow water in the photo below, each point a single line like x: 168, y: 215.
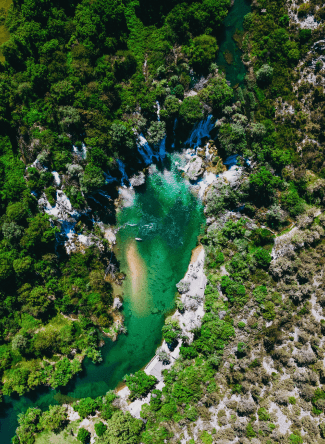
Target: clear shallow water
x: 236, y: 71
x: 168, y: 218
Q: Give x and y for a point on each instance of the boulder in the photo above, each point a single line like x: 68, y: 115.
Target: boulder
x: 138, y: 179
x: 195, y: 168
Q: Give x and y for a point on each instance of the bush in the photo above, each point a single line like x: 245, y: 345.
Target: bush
x: 235, y: 291
x: 140, y: 384
x: 100, y: 428
x: 83, y: 435
x: 203, y: 51
x: 217, y: 93
x: 92, y: 179
x: 246, y: 408
x: 191, y: 110
x: 263, y: 414
x: 264, y: 74
x: 86, y: 407
x: 262, y: 257
x: 171, y: 330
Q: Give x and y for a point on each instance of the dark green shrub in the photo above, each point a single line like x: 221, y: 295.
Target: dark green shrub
x: 140, y: 384
x: 100, y: 428
x: 83, y: 435
x: 262, y: 257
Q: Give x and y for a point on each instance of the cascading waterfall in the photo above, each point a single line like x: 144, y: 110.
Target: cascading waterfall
x: 125, y: 179
x: 162, y: 149
x: 80, y: 152
x: 174, y: 132
x: 158, y: 110
x: 201, y: 129
x: 109, y: 178
x: 144, y: 150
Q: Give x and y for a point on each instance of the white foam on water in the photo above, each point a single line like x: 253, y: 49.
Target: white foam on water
x: 62, y: 208
x: 57, y: 179
x: 208, y: 179
x: 80, y: 152
x: 158, y: 110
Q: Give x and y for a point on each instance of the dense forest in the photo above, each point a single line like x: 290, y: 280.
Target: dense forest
x: 79, y: 84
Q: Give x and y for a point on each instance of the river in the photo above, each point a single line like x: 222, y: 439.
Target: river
x: 168, y: 219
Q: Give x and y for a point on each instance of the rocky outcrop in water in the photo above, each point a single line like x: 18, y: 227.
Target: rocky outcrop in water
x: 196, y: 168
x: 138, y: 179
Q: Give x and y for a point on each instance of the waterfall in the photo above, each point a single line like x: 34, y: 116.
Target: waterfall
x: 208, y: 179
x: 80, y: 152
x: 102, y: 193
x: 144, y: 150
x: 57, y: 179
x: 162, y: 149
x: 158, y: 110
x: 109, y: 178
x: 174, y: 132
x: 231, y: 160
x: 201, y: 129
x: 121, y: 167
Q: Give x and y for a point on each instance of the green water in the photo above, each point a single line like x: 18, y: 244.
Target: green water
x: 236, y: 71
x: 168, y: 218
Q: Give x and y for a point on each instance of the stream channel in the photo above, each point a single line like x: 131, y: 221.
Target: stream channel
x: 168, y: 218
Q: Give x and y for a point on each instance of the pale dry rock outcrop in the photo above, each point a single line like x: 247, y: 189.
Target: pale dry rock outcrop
x: 138, y: 179
x: 195, y: 168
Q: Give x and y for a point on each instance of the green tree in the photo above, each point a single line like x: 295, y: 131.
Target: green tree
x: 36, y: 301
x: 19, y: 342
x: 83, y: 435
x: 156, y: 132
x: 262, y: 257
x: 100, y: 428
x: 264, y: 74
x: 92, y: 179
x: 264, y: 184
x: 54, y: 419
x: 62, y: 374
x: 86, y: 407
x: 203, y: 51
x: 170, y: 112
x: 140, y: 384
x: 217, y: 93
x: 191, y: 110
x: 232, y: 137
x: 123, y: 428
